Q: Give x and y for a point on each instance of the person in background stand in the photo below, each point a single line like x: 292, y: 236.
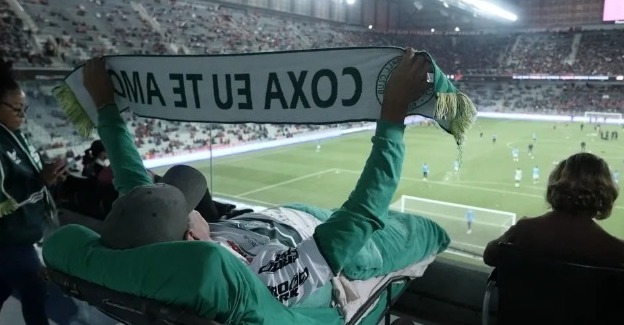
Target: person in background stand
x: 94, y: 160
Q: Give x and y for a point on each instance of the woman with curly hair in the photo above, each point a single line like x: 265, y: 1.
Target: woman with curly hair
x: 580, y: 191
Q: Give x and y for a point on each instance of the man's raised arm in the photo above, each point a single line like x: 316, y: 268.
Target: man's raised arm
x: 345, y: 233
x: 126, y: 163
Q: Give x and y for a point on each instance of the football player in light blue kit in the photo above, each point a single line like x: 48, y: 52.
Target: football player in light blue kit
x: 469, y: 219
x: 515, y: 152
x: 616, y: 177
x: 536, y: 174
x: 456, y: 166
x: 425, y: 171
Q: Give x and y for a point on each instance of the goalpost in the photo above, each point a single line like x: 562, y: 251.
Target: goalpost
x: 488, y: 224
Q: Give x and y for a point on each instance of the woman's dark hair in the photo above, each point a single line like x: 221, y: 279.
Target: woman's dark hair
x: 582, y: 184
x: 7, y: 80
x: 91, y: 154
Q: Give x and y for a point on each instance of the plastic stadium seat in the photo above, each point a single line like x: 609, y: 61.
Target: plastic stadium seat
x: 128, y: 309
x: 541, y: 291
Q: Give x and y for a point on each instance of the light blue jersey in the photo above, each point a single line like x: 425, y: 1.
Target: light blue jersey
x: 536, y: 172
x: 616, y: 177
x: 425, y: 168
x: 470, y: 216
x: 456, y: 165
x: 515, y: 152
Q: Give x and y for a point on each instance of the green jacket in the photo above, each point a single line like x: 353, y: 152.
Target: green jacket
x: 339, y: 238
x: 21, y: 222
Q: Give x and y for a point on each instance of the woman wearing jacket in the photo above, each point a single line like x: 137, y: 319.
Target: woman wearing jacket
x: 25, y: 204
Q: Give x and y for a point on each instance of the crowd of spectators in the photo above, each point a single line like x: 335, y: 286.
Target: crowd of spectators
x: 541, y: 53
x: 73, y: 30
x: 546, y: 98
x: 16, y: 40
x: 601, y: 52
x: 51, y: 132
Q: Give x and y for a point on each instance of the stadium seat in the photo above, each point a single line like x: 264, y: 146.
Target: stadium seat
x: 535, y: 290
x: 83, y: 195
x: 133, y: 310
x: 128, y: 309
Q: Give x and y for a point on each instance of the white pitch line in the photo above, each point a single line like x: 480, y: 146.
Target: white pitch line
x: 460, y: 219
x: 499, y: 184
x: 292, y: 180
x: 267, y: 204
x: 486, y: 189
x: 466, y: 244
x: 462, y: 254
x: 455, y: 185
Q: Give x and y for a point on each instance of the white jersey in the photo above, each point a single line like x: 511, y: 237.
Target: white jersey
x: 278, y: 246
x: 518, y: 176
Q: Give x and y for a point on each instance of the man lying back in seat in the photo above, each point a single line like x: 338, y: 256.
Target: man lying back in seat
x: 307, y: 253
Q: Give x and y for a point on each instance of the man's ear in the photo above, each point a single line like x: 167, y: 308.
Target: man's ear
x: 189, y: 235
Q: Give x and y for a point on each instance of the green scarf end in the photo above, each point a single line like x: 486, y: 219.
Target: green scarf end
x: 459, y: 110
x: 7, y: 207
x: 73, y: 110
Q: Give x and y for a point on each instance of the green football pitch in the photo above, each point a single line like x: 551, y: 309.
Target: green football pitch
x: 325, y: 178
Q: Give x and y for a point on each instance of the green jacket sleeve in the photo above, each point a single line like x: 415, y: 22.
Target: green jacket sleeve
x: 342, y: 236
x: 124, y: 157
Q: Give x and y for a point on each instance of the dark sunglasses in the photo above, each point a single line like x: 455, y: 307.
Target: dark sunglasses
x: 18, y: 110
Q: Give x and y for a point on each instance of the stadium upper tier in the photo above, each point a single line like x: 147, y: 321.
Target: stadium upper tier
x: 51, y: 132
x: 71, y: 31
x: 545, y: 98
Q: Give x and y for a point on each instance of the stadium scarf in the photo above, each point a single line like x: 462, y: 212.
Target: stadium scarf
x: 14, y: 141
x: 294, y: 87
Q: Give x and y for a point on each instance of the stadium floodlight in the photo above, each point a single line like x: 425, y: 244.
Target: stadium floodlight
x: 350, y: 2
x: 619, y: 78
x: 492, y: 9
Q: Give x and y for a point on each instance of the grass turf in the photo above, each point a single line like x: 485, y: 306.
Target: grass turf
x: 301, y: 174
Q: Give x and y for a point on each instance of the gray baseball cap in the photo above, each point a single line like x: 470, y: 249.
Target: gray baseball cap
x: 154, y: 213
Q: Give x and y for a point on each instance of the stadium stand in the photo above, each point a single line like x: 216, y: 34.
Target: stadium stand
x: 15, y: 40
x: 540, y: 53
x: 154, y: 137
x: 51, y: 132
x: 545, y: 98
x: 208, y: 28
x: 71, y: 31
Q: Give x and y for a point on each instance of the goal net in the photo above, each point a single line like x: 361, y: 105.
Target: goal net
x: 487, y: 224
x: 601, y: 117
